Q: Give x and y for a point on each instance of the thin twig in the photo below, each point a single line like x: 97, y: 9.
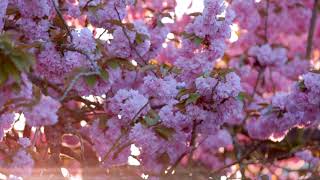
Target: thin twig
x: 193, y: 141
x: 238, y: 155
x: 266, y: 21
x: 74, y: 81
x: 105, y: 30
x: 239, y: 160
x: 128, y: 38
x: 87, y: 4
x: 35, y: 137
x: 62, y: 19
x: 130, y: 44
x: 260, y: 73
x: 117, y: 142
x: 177, y: 162
x: 138, y: 113
x: 312, y: 29
x: 92, y: 61
x: 42, y: 83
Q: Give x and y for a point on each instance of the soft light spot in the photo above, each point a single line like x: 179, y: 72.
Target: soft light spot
x: 2, y: 176
x: 234, y: 33
x: 65, y: 172
x: 133, y: 162
x: 164, y: 45
x: 83, y: 123
x: 77, y: 177
x: 103, y: 34
x: 20, y: 121
x: 188, y: 7
x: 93, y: 99
x: 221, y: 149
x: 33, y: 129
x: 134, y: 150
x: 300, y: 77
x: 223, y: 178
x: 238, y: 175
x: 317, y: 65
x: 134, y: 62
x: 42, y: 129
x: 170, y: 37
x: 167, y: 20
x: 276, y: 139
x: 144, y: 176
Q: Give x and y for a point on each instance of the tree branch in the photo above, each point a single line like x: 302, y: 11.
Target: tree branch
x: 312, y: 29
x: 62, y: 19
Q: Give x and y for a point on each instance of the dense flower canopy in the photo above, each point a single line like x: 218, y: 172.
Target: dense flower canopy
x: 109, y: 89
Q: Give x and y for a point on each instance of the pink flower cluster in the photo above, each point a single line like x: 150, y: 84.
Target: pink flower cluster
x: 44, y: 113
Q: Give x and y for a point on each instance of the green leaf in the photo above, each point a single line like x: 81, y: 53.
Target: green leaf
x: 164, y: 132
x: 198, y: 40
x: 104, y: 74
x: 302, y: 86
x: 140, y: 38
x: 181, y: 106
x: 95, y: 8
x: 113, y: 63
x: 187, y: 35
x: 243, y: 96
x: 91, y: 80
x: 193, y: 98
x: 13, y: 60
x: 150, y: 121
x: 164, y: 69
x: 148, y: 67
x: 127, y: 65
x: 176, y: 70
x: 182, y: 92
x: 221, y: 73
x: 22, y: 61
x: 12, y: 71
x: 3, y: 75
x: 115, y: 22
x: 152, y: 118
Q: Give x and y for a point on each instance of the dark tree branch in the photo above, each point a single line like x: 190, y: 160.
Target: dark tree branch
x: 312, y: 29
x: 62, y: 19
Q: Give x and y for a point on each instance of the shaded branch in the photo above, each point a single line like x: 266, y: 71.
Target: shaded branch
x: 312, y: 29
x: 62, y: 19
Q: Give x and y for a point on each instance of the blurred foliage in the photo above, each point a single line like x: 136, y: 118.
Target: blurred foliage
x: 14, y: 60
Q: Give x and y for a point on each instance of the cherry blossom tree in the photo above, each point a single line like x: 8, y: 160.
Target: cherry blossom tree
x: 111, y: 89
